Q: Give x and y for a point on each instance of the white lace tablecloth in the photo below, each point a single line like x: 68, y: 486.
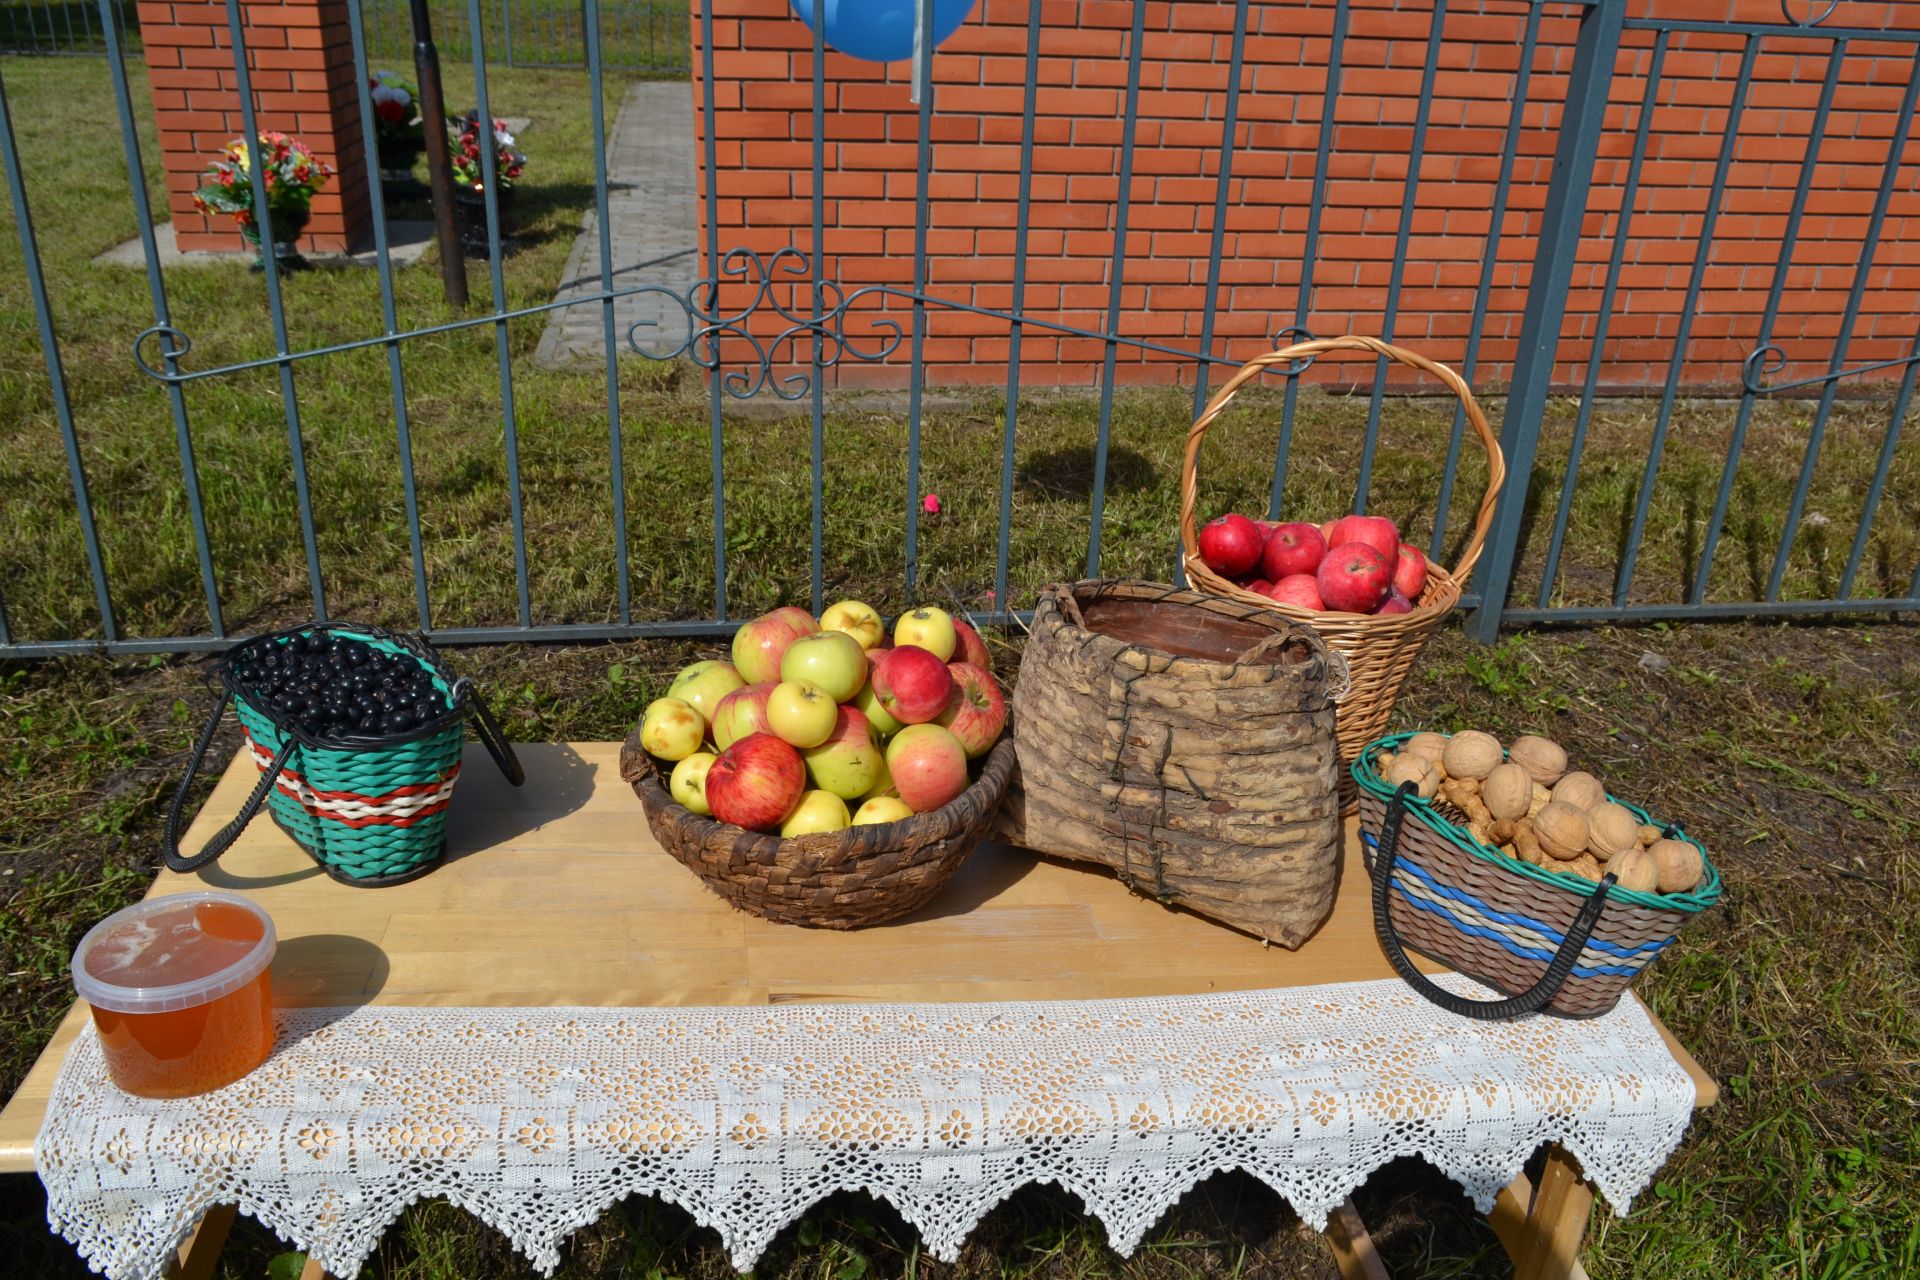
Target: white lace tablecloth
x: 537, y: 1120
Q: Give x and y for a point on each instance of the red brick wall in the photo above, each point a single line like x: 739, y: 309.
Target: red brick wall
x: 301, y: 61
x: 763, y: 71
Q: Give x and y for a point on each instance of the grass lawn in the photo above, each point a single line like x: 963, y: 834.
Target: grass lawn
x: 1790, y: 749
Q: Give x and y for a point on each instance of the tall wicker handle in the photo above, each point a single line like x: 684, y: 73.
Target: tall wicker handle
x: 1254, y: 368
x: 1534, y: 998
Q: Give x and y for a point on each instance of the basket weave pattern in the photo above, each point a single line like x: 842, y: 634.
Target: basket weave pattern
x: 1186, y: 742
x: 1379, y: 649
x: 1487, y: 917
x: 831, y: 880
x: 365, y: 814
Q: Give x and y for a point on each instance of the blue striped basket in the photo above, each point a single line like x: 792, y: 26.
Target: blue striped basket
x: 1553, y: 942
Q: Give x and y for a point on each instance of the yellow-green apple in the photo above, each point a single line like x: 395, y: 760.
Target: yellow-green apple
x: 1378, y: 532
x: 929, y: 766
x: 929, y: 628
x: 740, y: 713
x: 801, y: 714
x: 867, y: 703
x: 1354, y: 578
x: 881, y: 809
x: 1296, y: 547
x: 759, y: 645
x: 671, y: 729
x: 688, y: 784
x: 849, y: 761
x: 971, y: 648
x: 978, y: 712
x: 703, y: 684
x: 1231, y: 544
x: 756, y: 782
x: 817, y: 811
x: 882, y: 781
x: 830, y: 660
x: 912, y: 683
x: 1410, y: 572
x: 1301, y: 590
x: 857, y: 619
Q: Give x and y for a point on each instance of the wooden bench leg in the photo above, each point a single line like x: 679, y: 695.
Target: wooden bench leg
x: 202, y: 1249
x: 1352, y: 1247
x: 312, y: 1271
x: 1548, y: 1236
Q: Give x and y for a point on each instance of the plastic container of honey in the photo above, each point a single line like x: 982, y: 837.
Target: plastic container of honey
x: 180, y: 992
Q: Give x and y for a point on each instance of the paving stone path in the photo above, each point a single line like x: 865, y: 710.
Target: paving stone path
x: 651, y: 208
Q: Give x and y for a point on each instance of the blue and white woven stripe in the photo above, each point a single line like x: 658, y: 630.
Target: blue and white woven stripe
x: 1522, y: 935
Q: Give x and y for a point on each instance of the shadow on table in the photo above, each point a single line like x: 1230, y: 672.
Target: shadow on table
x: 328, y: 969
x: 990, y: 871
x: 488, y: 811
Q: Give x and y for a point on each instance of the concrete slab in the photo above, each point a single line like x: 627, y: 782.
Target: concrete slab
x: 406, y: 243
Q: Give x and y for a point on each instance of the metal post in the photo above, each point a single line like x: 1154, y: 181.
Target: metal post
x: 433, y: 113
x: 1594, y: 54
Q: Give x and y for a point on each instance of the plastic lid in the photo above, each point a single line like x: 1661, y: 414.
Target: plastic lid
x: 176, y: 952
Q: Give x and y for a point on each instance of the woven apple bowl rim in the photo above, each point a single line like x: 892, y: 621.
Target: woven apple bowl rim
x: 826, y: 879
x: 1380, y: 649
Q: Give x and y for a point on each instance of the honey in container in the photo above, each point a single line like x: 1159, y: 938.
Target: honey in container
x: 180, y: 992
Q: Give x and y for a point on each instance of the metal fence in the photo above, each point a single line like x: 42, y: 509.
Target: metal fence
x: 648, y: 36
x: 1498, y: 593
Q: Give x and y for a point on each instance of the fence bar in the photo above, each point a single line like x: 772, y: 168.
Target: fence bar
x: 616, y: 458
x: 1736, y: 611
x: 56, y: 372
x: 1229, y: 125
x: 716, y: 445
x: 1896, y: 152
x: 1116, y: 275
x: 1410, y: 195
x: 1310, y: 251
x: 819, y: 255
x: 1603, y: 318
x: 1703, y: 254
x: 269, y: 261
x: 1003, y: 548
x: 923, y: 53
x: 1489, y: 259
x: 1871, y: 506
x: 162, y: 314
x: 1597, y: 47
x: 497, y: 271
x: 1789, y: 240
x: 396, y: 377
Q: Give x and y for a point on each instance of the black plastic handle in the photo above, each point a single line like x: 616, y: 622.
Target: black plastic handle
x: 487, y: 729
x: 1534, y: 998
x: 225, y: 836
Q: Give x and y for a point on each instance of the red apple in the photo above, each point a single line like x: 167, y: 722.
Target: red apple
x: 1326, y: 530
x: 929, y: 766
x: 1378, y: 532
x: 971, y: 648
x: 1231, y: 545
x: 1395, y: 603
x: 1292, y: 548
x: 759, y: 645
x: 740, y: 713
x: 1410, y: 572
x: 1259, y: 586
x: 756, y: 782
x: 912, y: 684
x: 1300, y: 590
x: 979, y: 713
x: 1354, y: 578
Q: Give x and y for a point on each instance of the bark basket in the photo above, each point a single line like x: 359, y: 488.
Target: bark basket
x: 1187, y: 742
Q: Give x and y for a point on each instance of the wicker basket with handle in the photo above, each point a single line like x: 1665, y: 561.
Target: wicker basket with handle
x: 1379, y: 648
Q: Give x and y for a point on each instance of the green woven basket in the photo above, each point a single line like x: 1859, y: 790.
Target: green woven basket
x: 369, y: 810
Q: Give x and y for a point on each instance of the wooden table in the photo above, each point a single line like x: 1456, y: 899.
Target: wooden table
x: 572, y: 887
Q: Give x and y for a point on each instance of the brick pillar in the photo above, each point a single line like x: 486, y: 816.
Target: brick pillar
x: 300, y: 57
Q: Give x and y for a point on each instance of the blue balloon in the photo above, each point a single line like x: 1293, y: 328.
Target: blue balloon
x: 882, y: 30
